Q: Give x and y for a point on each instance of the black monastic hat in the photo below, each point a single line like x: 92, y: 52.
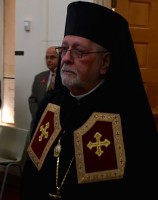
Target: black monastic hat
x: 94, y: 22
x: 110, y: 30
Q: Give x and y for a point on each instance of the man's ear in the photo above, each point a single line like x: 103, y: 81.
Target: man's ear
x: 106, y: 62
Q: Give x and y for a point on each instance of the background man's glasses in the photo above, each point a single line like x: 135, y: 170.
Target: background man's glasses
x: 50, y: 57
x: 75, y: 53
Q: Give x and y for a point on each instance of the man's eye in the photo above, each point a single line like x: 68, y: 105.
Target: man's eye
x: 64, y: 49
x: 78, y: 51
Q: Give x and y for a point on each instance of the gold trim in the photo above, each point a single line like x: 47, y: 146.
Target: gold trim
x: 84, y: 177
x: 57, y: 128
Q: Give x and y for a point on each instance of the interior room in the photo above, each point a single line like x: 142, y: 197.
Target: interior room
x: 28, y: 27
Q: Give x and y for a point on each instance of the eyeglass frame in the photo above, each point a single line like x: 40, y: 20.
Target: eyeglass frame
x: 75, y: 53
x: 51, y: 57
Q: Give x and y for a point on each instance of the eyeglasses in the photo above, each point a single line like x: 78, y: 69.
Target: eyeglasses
x: 75, y: 53
x: 50, y: 57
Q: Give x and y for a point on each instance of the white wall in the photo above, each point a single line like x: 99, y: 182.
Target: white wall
x: 47, y: 27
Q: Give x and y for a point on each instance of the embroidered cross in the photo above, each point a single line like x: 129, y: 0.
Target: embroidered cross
x: 98, y: 144
x: 44, y: 132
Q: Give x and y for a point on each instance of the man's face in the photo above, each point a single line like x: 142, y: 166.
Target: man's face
x: 51, y: 58
x: 82, y: 71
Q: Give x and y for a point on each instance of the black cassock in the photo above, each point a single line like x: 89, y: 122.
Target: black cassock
x: 139, y: 140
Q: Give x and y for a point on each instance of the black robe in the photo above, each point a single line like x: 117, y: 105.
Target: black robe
x: 140, y: 140
x: 123, y: 93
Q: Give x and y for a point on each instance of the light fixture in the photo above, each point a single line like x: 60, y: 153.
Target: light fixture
x: 27, y: 25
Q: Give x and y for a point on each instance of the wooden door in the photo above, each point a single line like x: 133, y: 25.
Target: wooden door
x: 142, y: 16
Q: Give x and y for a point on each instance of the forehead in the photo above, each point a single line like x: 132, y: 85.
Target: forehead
x: 72, y: 40
x: 51, y: 51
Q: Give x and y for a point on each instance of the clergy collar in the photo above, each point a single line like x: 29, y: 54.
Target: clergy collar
x: 83, y: 95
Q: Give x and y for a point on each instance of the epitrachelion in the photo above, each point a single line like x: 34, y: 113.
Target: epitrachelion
x: 99, y: 149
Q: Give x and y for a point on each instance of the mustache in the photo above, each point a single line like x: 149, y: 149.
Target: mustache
x: 67, y: 68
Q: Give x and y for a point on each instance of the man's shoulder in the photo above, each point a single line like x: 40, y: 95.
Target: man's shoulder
x: 42, y: 77
x: 43, y: 73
